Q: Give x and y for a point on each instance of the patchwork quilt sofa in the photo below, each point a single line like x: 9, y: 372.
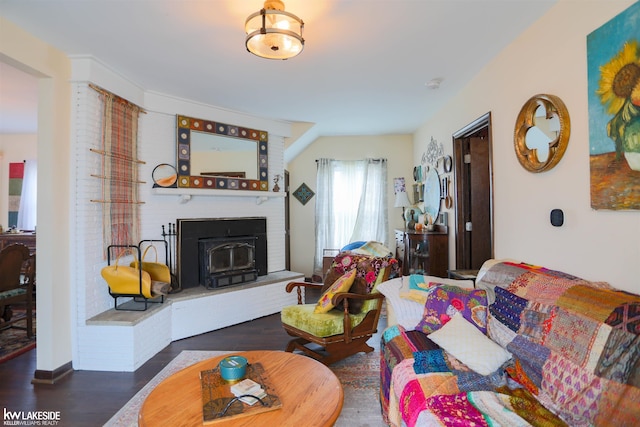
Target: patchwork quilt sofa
x: 526, y: 346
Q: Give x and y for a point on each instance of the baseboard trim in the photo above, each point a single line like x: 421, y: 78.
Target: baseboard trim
x: 51, y: 377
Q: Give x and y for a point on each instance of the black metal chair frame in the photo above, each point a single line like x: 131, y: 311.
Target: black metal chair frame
x: 139, y: 297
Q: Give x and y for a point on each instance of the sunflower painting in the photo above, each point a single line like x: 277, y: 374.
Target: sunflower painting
x: 613, y: 61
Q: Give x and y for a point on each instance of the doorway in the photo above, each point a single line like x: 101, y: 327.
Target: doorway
x: 18, y: 145
x: 287, y: 224
x: 472, y: 152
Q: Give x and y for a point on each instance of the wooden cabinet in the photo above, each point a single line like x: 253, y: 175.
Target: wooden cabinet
x: 423, y: 252
x: 27, y: 239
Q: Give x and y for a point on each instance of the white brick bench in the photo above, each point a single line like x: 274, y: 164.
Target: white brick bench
x: 117, y: 340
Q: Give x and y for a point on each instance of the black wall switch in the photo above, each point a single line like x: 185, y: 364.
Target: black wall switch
x: 557, y: 217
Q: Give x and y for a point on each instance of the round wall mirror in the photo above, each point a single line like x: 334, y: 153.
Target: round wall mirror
x: 542, y: 133
x: 447, y: 164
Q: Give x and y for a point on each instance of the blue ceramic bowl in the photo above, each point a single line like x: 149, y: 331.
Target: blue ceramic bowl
x: 233, y: 368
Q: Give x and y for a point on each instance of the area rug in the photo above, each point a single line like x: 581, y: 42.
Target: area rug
x: 358, y: 374
x: 14, y: 342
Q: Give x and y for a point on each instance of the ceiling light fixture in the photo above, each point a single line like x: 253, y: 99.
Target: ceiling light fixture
x: 273, y: 33
x: 434, y: 83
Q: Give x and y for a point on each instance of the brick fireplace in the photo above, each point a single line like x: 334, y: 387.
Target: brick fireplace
x: 217, y: 252
x: 124, y: 341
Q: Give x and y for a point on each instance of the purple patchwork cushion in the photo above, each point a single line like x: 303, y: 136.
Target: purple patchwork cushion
x: 446, y: 300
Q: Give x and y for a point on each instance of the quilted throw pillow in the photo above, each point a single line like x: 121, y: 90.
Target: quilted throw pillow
x: 459, y: 338
x: 420, y: 286
x: 368, y: 268
x: 445, y: 301
x: 343, y: 284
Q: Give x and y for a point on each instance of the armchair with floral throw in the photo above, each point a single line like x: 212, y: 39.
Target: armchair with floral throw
x: 346, y: 315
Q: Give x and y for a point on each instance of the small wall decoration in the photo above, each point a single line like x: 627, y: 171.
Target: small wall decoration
x: 303, y: 193
x: 164, y: 175
x: 399, y: 185
x: 613, y: 63
x: 276, y: 180
x: 434, y: 151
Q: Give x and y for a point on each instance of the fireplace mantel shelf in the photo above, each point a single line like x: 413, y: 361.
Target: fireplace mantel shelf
x: 186, y: 193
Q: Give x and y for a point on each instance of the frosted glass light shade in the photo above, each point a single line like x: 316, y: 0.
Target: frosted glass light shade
x: 273, y: 33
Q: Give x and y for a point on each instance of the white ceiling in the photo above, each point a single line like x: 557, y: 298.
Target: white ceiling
x: 363, y: 71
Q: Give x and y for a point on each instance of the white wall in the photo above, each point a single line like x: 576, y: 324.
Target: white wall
x: 53, y: 70
x: 550, y: 57
x: 395, y: 148
x: 14, y: 148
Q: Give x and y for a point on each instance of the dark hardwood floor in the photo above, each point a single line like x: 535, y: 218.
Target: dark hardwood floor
x: 91, y: 398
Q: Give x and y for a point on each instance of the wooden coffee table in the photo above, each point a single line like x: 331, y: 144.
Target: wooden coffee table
x: 310, y: 393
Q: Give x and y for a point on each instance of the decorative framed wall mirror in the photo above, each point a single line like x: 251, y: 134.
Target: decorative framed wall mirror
x: 220, y: 156
x: 542, y: 133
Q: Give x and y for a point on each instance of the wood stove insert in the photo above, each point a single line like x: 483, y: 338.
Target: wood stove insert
x: 241, y: 233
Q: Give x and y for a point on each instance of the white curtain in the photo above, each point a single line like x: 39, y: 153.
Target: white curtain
x: 324, y: 212
x: 351, y: 204
x: 27, y: 212
x: 372, y: 222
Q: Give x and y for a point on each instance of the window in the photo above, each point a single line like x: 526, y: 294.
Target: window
x: 351, y: 204
x: 27, y: 211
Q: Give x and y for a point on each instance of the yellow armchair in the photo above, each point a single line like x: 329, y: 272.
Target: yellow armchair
x: 338, y: 333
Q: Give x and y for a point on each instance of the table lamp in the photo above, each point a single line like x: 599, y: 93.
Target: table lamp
x: 402, y: 201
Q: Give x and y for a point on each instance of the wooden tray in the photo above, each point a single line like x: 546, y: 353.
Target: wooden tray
x: 216, y: 395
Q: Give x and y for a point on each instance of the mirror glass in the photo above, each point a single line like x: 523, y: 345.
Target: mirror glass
x: 542, y: 133
x: 221, y: 156
x: 432, y: 194
x: 218, y: 155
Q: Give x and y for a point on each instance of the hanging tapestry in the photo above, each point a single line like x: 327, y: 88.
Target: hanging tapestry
x: 120, y: 212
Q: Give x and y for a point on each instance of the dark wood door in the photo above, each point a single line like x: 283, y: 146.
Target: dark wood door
x: 474, y: 197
